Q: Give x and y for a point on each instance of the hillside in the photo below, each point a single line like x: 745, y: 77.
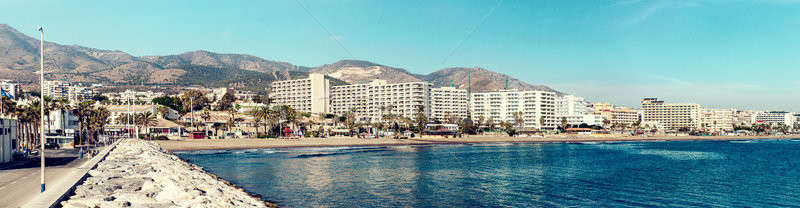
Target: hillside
x: 19, y: 61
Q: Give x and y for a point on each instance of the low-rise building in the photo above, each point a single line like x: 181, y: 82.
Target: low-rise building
x: 615, y: 115
x: 717, y: 120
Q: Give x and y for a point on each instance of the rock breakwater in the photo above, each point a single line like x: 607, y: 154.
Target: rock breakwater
x: 140, y: 174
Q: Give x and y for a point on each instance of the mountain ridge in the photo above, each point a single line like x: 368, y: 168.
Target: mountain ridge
x: 19, y: 61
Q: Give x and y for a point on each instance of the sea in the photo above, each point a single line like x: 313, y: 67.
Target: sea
x: 743, y: 173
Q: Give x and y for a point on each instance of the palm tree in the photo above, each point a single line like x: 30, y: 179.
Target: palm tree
x: 49, y: 105
x: 83, y: 111
x: 146, y: 120
x: 205, y: 115
x: 421, y: 119
x: 261, y: 113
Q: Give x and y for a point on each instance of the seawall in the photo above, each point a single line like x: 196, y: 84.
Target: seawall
x: 138, y: 173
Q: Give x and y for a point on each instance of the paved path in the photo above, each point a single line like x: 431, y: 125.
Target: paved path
x: 20, y: 185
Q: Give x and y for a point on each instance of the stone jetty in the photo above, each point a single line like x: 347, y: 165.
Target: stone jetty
x: 138, y: 173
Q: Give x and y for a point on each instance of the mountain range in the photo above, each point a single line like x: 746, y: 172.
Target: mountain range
x: 19, y: 61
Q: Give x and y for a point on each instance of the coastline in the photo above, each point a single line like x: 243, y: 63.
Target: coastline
x: 231, y: 144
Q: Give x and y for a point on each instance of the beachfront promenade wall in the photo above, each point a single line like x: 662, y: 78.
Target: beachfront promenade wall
x: 138, y: 173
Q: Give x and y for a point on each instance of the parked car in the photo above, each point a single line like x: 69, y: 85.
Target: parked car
x: 52, y: 145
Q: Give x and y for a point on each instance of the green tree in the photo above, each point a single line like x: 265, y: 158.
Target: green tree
x: 225, y: 102
x: 193, y: 100
x: 421, y: 119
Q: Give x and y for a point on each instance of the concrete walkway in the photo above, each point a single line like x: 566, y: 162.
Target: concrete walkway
x: 21, y: 184
x: 59, y: 189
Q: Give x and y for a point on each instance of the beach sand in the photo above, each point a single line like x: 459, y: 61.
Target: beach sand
x: 216, y: 144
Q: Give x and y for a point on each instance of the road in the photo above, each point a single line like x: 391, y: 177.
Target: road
x: 19, y: 181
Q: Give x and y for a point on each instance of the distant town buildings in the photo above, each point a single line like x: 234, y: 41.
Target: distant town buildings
x: 537, y: 108
x: 310, y: 95
x: 137, y: 96
x: 9, y: 89
x: 66, y: 90
x: 672, y: 116
x: 614, y: 115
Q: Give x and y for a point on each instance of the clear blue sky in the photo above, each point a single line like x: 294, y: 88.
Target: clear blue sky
x: 719, y: 53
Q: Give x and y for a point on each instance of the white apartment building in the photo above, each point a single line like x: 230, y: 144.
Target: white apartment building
x: 570, y: 105
x: 371, y: 100
x: 743, y: 117
x: 73, y: 93
x: 535, y: 106
x: 774, y: 118
x: 672, y: 116
x: 9, y: 89
x: 56, y: 89
x: 717, y: 120
x: 130, y: 95
x: 448, y: 103
x: 310, y: 95
x: 353, y: 98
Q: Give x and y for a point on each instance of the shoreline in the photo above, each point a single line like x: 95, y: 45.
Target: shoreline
x: 236, y: 144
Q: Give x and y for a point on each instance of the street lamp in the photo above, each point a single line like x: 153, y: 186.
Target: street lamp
x: 41, y: 104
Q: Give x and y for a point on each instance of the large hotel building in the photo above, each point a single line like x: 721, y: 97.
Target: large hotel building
x: 535, y: 106
x: 371, y: 100
x: 305, y: 95
x: 448, y: 103
x: 672, y: 116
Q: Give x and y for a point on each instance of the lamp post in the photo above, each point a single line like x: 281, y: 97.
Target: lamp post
x: 41, y: 104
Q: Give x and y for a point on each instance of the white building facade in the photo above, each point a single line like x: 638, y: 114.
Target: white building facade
x: 672, y: 116
x: 448, y: 104
x: 309, y: 95
x: 538, y: 108
x: 774, y: 118
x: 376, y: 99
x: 717, y: 120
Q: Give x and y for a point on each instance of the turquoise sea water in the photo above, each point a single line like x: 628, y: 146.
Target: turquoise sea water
x: 751, y: 173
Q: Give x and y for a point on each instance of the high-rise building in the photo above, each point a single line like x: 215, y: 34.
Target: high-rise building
x: 672, y: 116
x: 536, y: 107
x: 448, y: 104
x: 371, y: 101
x: 717, y: 120
x: 304, y: 95
x: 570, y: 105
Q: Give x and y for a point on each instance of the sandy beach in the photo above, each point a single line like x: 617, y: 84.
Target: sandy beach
x: 215, y: 144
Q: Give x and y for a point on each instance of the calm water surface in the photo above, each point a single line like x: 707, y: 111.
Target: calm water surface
x: 762, y: 173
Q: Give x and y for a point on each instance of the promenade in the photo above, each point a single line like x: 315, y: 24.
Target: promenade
x: 20, y: 182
